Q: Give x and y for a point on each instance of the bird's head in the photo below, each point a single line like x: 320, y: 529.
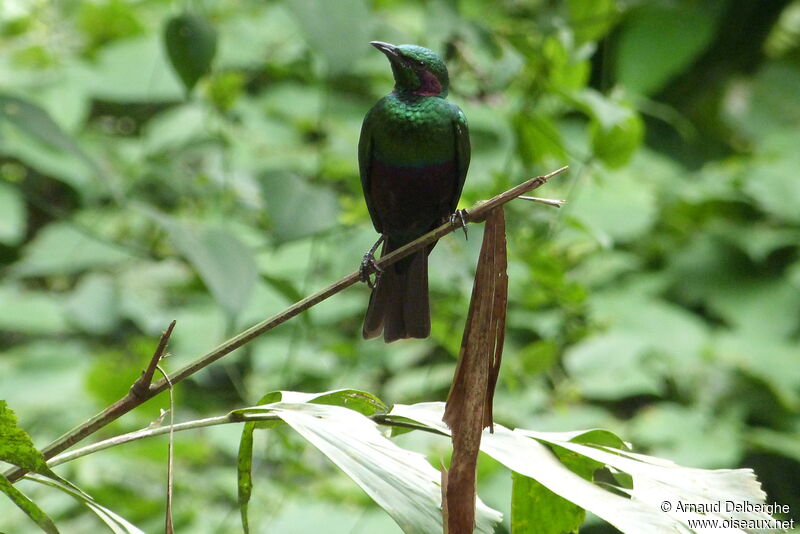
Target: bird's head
x: 416, y: 69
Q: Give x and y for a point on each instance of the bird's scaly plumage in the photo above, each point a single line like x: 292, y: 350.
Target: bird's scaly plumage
x: 413, y: 157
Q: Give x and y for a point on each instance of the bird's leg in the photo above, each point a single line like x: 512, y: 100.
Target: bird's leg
x: 459, y: 218
x: 369, y: 261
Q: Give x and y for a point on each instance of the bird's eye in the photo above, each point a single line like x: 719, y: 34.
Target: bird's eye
x: 420, y: 63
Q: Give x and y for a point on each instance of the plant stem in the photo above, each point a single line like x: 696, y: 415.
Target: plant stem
x: 139, y: 395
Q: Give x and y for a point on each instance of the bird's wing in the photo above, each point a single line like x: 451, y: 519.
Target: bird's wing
x: 461, y: 133
x: 365, y: 168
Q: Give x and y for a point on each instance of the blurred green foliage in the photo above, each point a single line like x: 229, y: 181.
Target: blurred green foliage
x: 662, y: 302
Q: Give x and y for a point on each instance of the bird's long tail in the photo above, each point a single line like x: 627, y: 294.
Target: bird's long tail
x: 399, y: 303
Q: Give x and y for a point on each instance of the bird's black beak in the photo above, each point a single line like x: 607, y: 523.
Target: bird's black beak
x: 389, y: 49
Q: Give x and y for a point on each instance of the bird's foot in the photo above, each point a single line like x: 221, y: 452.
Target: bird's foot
x: 459, y: 218
x: 367, y: 262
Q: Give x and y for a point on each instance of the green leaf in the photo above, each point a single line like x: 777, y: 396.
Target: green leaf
x: 338, y: 31
x: 654, y: 480
x: 295, y: 208
x: 34, y: 312
x: 537, y: 510
x: 612, y: 366
x: 597, y: 206
x: 706, y: 439
x: 539, y: 139
x: 93, y: 305
x: 591, y: 19
x: 616, y: 130
x: 16, y: 446
x: 12, y: 215
x: 191, y: 43
x: 132, y: 70
x: 644, y: 63
x: 401, y: 482
x: 771, y: 182
x: 36, y: 123
x: 224, y: 263
x: 353, y: 399
x: 28, y: 506
x: 64, y: 248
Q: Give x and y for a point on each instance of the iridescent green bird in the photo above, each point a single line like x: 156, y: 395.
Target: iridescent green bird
x: 413, y: 157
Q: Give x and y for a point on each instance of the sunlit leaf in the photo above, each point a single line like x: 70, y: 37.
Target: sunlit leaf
x: 16, y: 446
x: 654, y: 480
x: 402, y: 482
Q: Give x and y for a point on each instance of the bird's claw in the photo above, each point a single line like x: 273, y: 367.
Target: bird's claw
x: 369, y: 261
x: 364, y: 270
x: 459, y: 218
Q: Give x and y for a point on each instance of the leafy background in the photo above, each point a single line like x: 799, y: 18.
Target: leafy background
x: 661, y: 302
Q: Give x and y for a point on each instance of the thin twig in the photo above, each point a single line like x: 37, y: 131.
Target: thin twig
x: 141, y: 386
x: 169, y: 527
x: 130, y: 401
x: 546, y: 201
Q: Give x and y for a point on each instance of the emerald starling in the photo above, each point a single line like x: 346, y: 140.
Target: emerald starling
x: 413, y: 157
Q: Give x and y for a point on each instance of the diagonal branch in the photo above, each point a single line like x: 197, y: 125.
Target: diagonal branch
x: 138, y: 395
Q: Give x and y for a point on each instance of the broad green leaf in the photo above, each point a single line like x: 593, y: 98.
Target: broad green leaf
x: 597, y: 206
x: 28, y: 506
x: 63, y: 166
x: 337, y: 31
x: 224, y: 263
x: 539, y: 139
x: 36, y: 123
x: 533, y: 459
x: 764, y: 357
x: 12, y: 215
x: 537, y: 510
x: 64, y: 248
x: 93, y: 305
x: 353, y: 399
x: 645, y: 64
x: 31, y: 312
x: 402, y: 482
x: 131, y: 70
x: 764, y: 105
x: 613, y: 366
x: 616, y: 129
x: 173, y: 129
x: 191, y: 43
x: 706, y: 439
x: 770, y: 182
x: 629, y: 310
x: 16, y: 446
x: 615, y: 145
x: 654, y: 480
x: 591, y: 19
x: 296, y: 208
